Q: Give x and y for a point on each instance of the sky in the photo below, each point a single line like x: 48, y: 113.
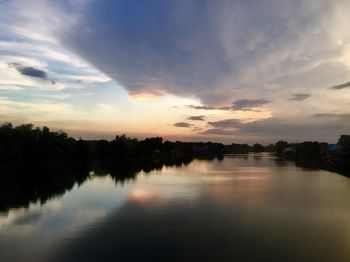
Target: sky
x: 192, y: 70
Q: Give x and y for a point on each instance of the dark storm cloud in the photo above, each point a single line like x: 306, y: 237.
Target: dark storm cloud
x: 299, y: 97
x: 341, y: 86
x: 148, y: 45
x: 196, y: 118
x: 182, y: 124
x: 188, y: 47
x: 249, y: 104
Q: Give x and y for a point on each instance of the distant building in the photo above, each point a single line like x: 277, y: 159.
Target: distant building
x: 331, y: 151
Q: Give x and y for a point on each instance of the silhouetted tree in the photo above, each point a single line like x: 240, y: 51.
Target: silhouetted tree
x: 308, y: 154
x: 280, y: 146
x: 258, y: 148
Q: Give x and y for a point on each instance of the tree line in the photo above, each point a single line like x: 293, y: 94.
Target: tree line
x: 37, y: 163
x: 318, y: 154
x: 28, y: 144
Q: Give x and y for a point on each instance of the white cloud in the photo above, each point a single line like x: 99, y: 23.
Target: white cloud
x: 105, y: 108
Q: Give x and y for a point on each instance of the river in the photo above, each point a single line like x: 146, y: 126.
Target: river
x: 251, y: 207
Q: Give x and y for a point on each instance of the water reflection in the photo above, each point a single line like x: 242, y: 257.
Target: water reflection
x: 24, y: 185
x: 239, y: 208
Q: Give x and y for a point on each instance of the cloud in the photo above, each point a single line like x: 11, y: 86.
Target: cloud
x: 249, y: 104
x: 182, y: 124
x: 343, y: 117
x: 36, y: 61
x: 105, y: 108
x: 226, y: 123
x: 300, y: 97
x: 240, y: 104
x: 218, y: 131
x: 341, y: 86
x: 32, y: 72
x: 297, y: 130
x: 273, y: 129
x: 211, y: 51
x: 196, y: 118
x: 210, y: 107
x: 196, y: 129
x: 325, y: 115
x: 39, y: 109
x: 202, y: 107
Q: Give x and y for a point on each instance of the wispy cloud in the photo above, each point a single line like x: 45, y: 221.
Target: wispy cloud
x: 219, y: 131
x: 196, y: 118
x: 41, y: 60
x: 182, y: 124
x: 341, y: 86
x: 332, y: 116
x: 209, y: 107
x: 231, y: 123
x: 41, y: 109
x: 249, y: 104
x: 300, y: 97
x: 272, y: 129
x: 240, y: 104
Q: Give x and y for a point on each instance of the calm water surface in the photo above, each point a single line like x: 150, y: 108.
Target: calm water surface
x: 243, y: 208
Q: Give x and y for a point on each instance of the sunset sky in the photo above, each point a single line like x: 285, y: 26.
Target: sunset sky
x: 192, y: 70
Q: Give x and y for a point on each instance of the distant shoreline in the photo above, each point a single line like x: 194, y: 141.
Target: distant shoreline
x: 26, y: 145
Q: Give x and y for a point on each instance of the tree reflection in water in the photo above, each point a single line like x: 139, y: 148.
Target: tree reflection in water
x: 25, y: 184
